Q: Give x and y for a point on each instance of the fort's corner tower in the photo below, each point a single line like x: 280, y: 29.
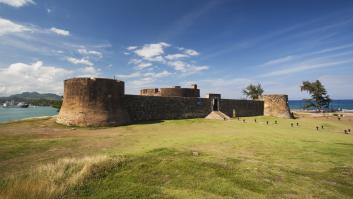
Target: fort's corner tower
x: 277, y: 106
x: 93, y: 102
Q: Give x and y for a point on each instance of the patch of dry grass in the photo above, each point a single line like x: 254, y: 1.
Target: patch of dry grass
x: 54, y: 179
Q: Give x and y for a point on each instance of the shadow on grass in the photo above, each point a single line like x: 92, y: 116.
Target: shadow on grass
x: 147, y: 122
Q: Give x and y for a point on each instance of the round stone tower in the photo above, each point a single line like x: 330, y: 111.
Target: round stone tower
x: 276, y: 105
x: 93, y: 102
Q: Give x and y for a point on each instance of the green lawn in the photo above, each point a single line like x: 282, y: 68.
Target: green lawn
x: 194, y: 158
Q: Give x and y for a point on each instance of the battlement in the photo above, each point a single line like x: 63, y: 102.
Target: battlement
x: 177, y: 91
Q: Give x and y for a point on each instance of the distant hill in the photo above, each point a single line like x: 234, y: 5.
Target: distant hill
x: 27, y: 96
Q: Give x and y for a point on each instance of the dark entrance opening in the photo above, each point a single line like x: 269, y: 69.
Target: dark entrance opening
x: 215, y: 105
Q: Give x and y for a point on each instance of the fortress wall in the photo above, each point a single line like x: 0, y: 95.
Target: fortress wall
x: 144, y: 108
x: 276, y: 105
x: 243, y: 108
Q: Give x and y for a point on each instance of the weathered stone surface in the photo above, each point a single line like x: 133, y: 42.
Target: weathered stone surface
x: 276, y: 105
x: 93, y: 102
x: 172, y: 92
x: 144, y: 108
x: 242, y: 108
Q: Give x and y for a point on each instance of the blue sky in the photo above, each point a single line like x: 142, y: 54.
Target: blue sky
x: 220, y: 45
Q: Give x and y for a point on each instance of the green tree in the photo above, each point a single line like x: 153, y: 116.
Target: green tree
x: 319, y: 97
x: 253, y: 91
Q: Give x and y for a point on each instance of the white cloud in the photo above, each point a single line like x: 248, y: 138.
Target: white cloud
x: 17, y: 3
x: 176, y: 56
x: 89, y: 71
x: 186, y: 67
x: 49, y: 10
x: 191, y: 52
x: 79, y: 61
x: 7, y: 27
x: 131, y: 47
x: 158, y: 75
x: 179, y: 60
x: 60, y: 31
x: 20, y: 77
x: 151, y: 50
x: 86, y: 52
x: 140, y: 64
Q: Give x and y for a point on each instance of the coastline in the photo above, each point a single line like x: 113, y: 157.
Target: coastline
x: 28, y: 118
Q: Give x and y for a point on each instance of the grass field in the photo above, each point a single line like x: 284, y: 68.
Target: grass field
x: 194, y: 158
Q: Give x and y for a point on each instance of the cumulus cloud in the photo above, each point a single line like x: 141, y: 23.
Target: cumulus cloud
x: 150, y: 54
x: 79, y: 61
x: 20, y: 77
x: 8, y: 27
x: 60, y: 32
x: 153, y: 62
x: 191, y: 52
x: 37, y: 76
x: 151, y: 50
x: 17, y: 3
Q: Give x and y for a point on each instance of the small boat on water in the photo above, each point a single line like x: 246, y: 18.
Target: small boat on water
x: 12, y: 104
x: 22, y: 105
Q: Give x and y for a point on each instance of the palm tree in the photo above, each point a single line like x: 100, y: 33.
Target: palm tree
x: 319, y: 97
x: 253, y: 91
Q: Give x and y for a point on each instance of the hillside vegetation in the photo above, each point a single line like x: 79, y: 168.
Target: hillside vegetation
x: 194, y: 158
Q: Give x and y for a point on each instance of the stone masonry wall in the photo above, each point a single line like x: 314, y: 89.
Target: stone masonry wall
x: 144, y: 108
x: 242, y: 108
x: 276, y: 105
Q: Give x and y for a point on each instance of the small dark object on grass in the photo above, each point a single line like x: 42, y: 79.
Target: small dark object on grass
x: 349, y: 130
x: 322, y: 126
x: 345, y: 131
x: 317, y: 128
x: 255, y: 120
x: 243, y: 121
x: 297, y: 123
x: 275, y: 121
x: 291, y: 124
x: 238, y: 118
x: 267, y: 122
x: 339, y: 118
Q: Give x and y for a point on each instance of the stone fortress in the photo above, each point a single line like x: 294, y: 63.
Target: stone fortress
x: 103, y: 102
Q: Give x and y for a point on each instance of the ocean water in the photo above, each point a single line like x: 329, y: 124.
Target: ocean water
x: 345, y: 105
x: 11, y: 114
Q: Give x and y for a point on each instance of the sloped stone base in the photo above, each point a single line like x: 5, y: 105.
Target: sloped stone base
x: 217, y: 115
